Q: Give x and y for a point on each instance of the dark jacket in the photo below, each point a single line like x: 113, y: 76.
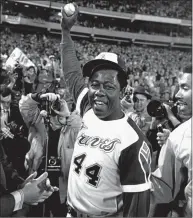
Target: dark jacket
x: 7, y: 173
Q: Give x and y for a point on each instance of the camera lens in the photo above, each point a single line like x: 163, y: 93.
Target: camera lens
x: 156, y: 109
x: 52, y: 162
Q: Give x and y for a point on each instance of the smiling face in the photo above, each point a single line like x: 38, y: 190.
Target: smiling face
x: 184, y: 95
x: 104, y: 95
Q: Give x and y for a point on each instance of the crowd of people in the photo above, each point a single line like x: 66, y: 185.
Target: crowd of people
x: 148, y: 66
x: 175, y: 9
x: 36, y: 14
x: 133, y: 27
x: 88, y: 113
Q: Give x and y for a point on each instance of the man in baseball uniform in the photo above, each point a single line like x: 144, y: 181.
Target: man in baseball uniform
x: 110, y: 166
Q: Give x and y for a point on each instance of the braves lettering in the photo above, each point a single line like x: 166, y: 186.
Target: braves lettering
x: 106, y: 145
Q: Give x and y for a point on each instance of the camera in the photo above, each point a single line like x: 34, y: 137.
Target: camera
x: 160, y: 128
x: 18, y: 69
x: 50, y: 107
x: 128, y: 98
x: 19, y: 81
x: 129, y: 95
x: 156, y: 109
x: 54, y: 167
x: 54, y: 164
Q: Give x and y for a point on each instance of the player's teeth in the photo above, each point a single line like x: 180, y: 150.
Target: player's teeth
x: 99, y: 102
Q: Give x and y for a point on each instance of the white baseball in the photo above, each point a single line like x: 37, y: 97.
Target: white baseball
x: 69, y: 9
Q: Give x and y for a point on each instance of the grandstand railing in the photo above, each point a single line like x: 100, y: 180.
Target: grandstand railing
x: 112, y: 14
x: 97, y: 33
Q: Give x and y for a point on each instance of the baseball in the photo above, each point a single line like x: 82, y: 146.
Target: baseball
x: 69, y: 9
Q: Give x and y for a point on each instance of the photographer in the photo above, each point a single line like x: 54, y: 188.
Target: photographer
x: 50, y: 126
x: 13, y: 130
x: 161, y: 114
x: 135, y: 106
x: 63, y: 91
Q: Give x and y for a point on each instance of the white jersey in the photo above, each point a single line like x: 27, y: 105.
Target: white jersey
x: 110, y: 157
x: 175, y: 168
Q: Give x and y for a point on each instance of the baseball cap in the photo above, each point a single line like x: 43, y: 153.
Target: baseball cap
x: 103, y: 60
x: 143, y: 91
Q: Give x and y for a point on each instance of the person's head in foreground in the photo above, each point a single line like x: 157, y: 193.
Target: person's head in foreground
x: 107, y: 78
x: 184, y: 94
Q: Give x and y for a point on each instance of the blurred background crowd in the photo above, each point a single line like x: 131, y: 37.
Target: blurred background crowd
x: 172, y: 8
x: 152, y: 67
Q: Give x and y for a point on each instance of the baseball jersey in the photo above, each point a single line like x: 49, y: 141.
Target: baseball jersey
x: 175, y: 168
x: 110, y: 157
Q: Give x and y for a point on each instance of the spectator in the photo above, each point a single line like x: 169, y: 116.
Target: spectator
x: 58, y: 136
x: 148, y: 59
x: 141, y: 98
x: 13, y: 130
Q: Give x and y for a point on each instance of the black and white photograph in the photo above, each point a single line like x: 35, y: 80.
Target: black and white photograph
x: 96, y: 108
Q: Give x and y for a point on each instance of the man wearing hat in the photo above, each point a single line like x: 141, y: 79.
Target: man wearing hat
x: 110, y: 167
x: 141, y: 99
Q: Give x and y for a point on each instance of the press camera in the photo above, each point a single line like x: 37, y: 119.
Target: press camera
x: 157, y: 109
x: 53, y: 166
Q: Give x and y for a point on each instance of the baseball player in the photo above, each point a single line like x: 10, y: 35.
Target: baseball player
x: 174, y: 173
x: 110, y: 167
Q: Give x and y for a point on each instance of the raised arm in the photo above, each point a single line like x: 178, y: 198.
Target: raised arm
x: 70, y: 65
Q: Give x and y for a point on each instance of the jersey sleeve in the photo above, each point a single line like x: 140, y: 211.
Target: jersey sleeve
x: 82, y: 104
x: 166, y: 175
x: 136, y: 204
x: 134, y: 166
x: 73, y: 76
x: 71, y: 68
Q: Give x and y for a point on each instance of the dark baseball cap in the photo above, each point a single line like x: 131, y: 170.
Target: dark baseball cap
x: 105, y: 60
x: 141, y: 90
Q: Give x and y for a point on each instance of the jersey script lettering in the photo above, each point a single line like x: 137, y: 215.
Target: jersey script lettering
x: 107, y: 145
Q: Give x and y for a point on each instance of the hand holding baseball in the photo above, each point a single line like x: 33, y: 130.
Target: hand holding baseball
x: 69, y: 9
x: 69, y: 16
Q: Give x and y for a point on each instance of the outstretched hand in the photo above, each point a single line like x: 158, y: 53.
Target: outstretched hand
x: 68, y: 22
x: 37, y: 190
